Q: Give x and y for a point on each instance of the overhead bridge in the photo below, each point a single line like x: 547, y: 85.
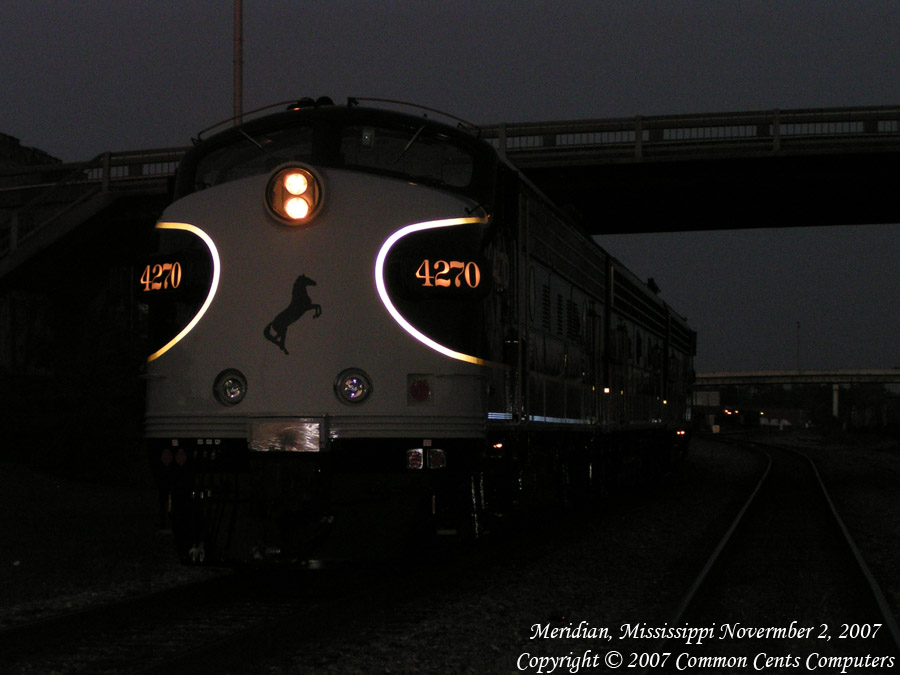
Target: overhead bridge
x: 710, y: 382
x: 734, y: 170
x: 834, y: 377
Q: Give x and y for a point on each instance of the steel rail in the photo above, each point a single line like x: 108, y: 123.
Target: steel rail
x: 889, y: 619
x: 698, y: 582
x: 878, y: 596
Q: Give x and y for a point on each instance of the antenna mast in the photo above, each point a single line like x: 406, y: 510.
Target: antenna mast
x: 238, y: 61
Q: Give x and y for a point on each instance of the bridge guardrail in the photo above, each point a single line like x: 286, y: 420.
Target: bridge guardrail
x: 640, y: 137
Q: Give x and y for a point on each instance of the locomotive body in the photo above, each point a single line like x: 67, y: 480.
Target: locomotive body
x: 368, y: 329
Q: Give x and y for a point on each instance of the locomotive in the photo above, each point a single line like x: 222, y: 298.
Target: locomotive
x: 368, y: 329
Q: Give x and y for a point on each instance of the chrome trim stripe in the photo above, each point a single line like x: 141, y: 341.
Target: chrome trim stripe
x: 217, y: 270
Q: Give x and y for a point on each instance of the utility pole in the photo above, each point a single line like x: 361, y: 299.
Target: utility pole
x: 238, y: 61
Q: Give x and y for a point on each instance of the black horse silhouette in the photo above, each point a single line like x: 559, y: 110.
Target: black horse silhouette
x: 276, y: 330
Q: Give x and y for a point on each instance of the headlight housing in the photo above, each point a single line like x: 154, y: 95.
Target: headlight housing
x: 353, y: 386
x: 294, y: 195
x: 230, y: 387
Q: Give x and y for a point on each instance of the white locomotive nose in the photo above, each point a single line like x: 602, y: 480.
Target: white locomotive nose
x: 475, y: 354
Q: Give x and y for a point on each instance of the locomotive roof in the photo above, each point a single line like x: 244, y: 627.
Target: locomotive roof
x: 340, y: 115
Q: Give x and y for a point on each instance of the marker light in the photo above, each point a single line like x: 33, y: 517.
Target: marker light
x: 419, y: 389
x: 415, y: 458
x: 294, y: 195
x: 352, y: 386
x: 230, y: 387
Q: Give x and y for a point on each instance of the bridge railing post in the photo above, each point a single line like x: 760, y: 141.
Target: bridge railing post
x: 105, y: 174
x: 638, y: 137
x: 501, y: 140
x: 776, y: 130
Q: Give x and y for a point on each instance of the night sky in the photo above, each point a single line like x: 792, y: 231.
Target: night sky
x: 81, y: 77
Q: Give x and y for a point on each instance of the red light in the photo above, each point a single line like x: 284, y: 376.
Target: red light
x: 420, y: 390
x: 437, y: 459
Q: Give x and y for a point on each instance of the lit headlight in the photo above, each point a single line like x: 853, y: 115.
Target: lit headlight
x: 352, y: 386
x: 230, y: 387
x: 294, y: 195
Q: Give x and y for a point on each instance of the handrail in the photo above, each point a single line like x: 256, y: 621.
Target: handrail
x: 72, y: 184
x: 771, y: 130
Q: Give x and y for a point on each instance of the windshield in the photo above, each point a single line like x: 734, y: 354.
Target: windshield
x: 418, y: 154
x: 251, y: 156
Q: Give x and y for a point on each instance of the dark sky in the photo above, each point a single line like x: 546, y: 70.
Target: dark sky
x: 80, y: 77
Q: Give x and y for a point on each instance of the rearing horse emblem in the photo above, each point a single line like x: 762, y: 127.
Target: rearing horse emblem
x: 276, y: 330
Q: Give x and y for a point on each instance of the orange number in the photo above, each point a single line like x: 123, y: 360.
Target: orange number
x: 158, y: 277
x: 424, y: 273
x: 457, y: 265
x: 155, y: 285
x: 442, y: 275
x: 442, y: 278
x: 175, y: 277
x: 145, y: 278
x: 473, y: 275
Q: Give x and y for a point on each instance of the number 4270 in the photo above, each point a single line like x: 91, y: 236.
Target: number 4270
x: 161, y: 276
x: 444, y: 273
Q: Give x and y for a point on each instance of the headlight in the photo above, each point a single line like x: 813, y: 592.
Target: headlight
x: 230, y: 387
x: 294, y: 195
x: 352, y: 386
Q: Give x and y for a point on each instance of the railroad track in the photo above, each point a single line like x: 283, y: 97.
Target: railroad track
x: 785, y: 588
